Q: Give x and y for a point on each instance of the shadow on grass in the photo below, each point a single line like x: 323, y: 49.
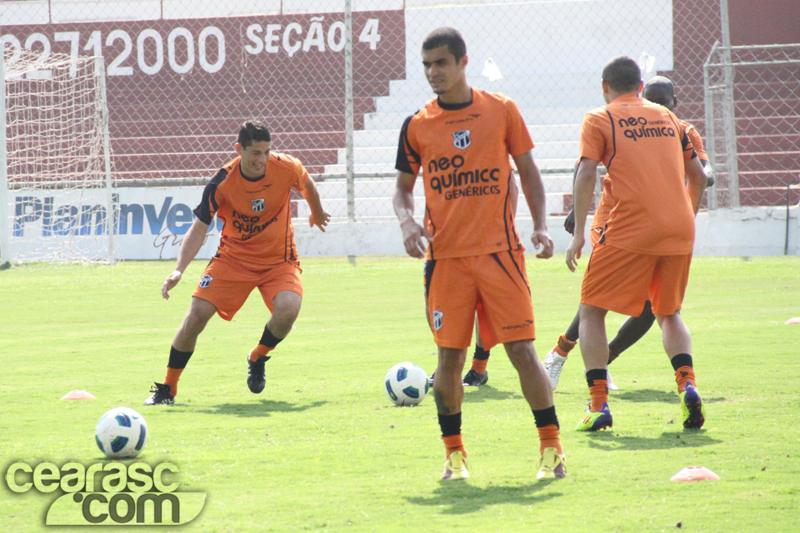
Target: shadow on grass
x: 487, y: 392
x: 653, y: 395
x: 263, y: 408
x: 689, y: 438
x: 459, y: 497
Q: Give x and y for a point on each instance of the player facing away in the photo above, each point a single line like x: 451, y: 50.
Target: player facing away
x: 659, y: 90
x: 461, y: 141
x: 646, y: 247
x: 250, y: 194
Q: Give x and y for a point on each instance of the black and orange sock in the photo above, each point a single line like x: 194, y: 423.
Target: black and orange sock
x: 267, y: 343
x: 597, y: 379
x: 564, y: 345
x: 684, y: 371
x: 480, y: 360
x: 177, y: 362
x: 451, y: 433
x: 547, y: 425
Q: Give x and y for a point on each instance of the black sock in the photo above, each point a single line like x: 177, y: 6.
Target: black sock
x: 545, y: 417
x: 596, y: 373
x: 480, y: 353
x: 177, y: 358
x: 268, y: 339
x: 450, y: 424
x: 682, y: 359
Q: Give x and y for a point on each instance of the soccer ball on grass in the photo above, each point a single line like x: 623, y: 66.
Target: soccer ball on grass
x: 121, y: 433
x: 406, y: 384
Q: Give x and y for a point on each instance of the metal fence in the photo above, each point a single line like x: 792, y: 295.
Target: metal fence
x: 334, y: 79
x: 753, y: 123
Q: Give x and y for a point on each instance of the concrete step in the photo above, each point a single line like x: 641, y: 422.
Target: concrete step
x: 544, y: 116
x: 381, y: 154
x: 540, y: 133
x: 546, y: 166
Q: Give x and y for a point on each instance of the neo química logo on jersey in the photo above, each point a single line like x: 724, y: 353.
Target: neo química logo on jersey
x: 108, y: 493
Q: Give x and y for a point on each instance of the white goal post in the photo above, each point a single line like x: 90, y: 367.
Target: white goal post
x: 56, y: 198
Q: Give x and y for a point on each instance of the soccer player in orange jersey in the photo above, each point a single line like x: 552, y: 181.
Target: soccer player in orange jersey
x: 646, y: 246
x: 461, y: 141
x: 256, y: 250
x: 659, y: 90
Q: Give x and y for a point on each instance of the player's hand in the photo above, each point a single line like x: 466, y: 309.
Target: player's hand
x: 542, y: 239
x: 569, y: 222
x: 574, y: 251
x: 414, y: 237
x: 320, y: 220
x: 170, y: 282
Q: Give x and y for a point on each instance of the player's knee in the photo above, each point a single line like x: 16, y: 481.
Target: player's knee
x: 519, y: 352
x: 286, y: 310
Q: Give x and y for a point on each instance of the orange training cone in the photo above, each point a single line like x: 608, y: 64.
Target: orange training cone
x: 78, y: 395
x: 695, y: 473
x: 795, y: 320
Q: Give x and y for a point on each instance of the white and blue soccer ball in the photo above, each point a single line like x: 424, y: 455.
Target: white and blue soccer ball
x: 406, y: 384
x: 121, y: 433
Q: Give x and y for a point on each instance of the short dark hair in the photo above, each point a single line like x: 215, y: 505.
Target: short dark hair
x: 622, y: 74
x: 449, y: 37
x: 253, y: 131
x: 660, y: 90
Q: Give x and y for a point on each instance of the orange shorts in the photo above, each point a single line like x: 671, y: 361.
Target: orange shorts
x: 227, y: 284
x: 494, y: 285
x: 622, y: 281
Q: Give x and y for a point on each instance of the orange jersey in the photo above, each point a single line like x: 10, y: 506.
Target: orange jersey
x: 697, y: 141
x: 606, y: 202
x: 644, y: 147
x: 463, y: 151
x: 257, y: 218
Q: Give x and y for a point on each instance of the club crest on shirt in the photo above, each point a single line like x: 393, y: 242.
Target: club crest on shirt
x: 461, y: 139
x: 258, y: 204
x: 205, y: 281
x: 437, y: 320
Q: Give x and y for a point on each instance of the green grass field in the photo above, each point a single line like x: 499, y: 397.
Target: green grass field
x: 322, y: 449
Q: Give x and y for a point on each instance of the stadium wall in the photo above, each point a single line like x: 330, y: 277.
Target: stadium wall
x: 151, y: 223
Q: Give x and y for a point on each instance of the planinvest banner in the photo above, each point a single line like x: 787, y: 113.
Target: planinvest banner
x: 150, y: 222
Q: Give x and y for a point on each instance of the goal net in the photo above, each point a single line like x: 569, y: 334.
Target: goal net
x: 56, y: 201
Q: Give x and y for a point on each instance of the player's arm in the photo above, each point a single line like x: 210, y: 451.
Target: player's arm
x: 414, y: 235
x: 192, y: 242
x: 318, y: 217
x: 569, y: 221
x: 695, y: 181
x: 513, y: 192
x: 533, y: 188
x: 583, y: 191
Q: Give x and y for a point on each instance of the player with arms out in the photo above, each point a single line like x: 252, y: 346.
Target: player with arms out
x: 461, y: 142
x: 250, y: 194
x: 646, y: 246
x: 659, y: 90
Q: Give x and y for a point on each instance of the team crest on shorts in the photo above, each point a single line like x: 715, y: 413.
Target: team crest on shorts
x: 461, y: 139
x: 258, y: 205
x: 205, y: 281
x: 437, y: 320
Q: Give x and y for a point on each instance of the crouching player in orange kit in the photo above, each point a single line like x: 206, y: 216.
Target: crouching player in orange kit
x: 256, y: 250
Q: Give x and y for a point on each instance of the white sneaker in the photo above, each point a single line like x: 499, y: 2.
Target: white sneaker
x: 611, y: 385
x: 553, y: 363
